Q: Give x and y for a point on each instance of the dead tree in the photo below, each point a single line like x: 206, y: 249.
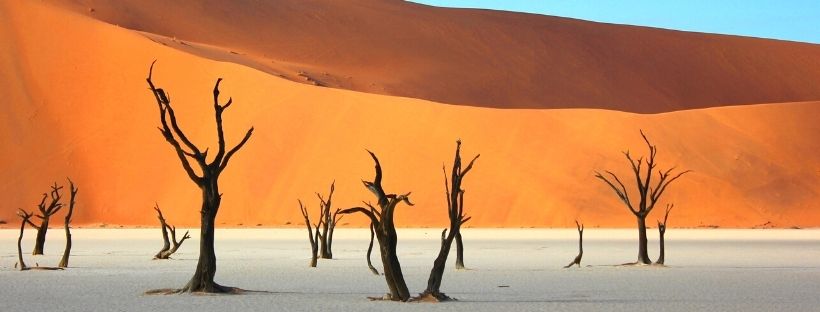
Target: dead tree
x: 167, y: 248
x: 69, y: 214
x: 455, y: 212
x: 313, y: 237
x: 45, y: 215
x: 647, y: 195
x: 580, y: 255
x: 662, y: 231
x: 24, y: 216
x: 381, y: 220
x: 326, y: 222
x: 208, y: 182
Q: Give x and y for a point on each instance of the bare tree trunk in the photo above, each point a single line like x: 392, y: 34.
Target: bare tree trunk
x: 661, y: 232
x: 24, y: 216
x: 392, y: 269
x: 387, y: 266
x: 40, y: 239
x: 455, y: 213
x: 580, y: 255
x: 334, y: 221
x: 67, y: 250
x: 313, y: 238
x: 314, y: 248
x: 459, y: 252
x: 166, y: 243
x: 643, y: 254
x: 323, y: 241
x: 326, y: 220
x: 433, y: 293
x: 203, y: 279
x: 662, y: 251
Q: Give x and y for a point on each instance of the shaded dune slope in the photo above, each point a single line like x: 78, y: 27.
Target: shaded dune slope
x: 478, y: 57
x: 77, y: 105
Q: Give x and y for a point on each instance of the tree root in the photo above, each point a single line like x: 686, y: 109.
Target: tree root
x: 639, y: 264
x: 217, y: 290
x: 432, y: 297
x: 386, y: 297
x: 42, y: 268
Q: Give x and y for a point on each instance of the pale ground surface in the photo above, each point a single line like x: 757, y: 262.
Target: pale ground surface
x: 76, y: 104
x: 709, y: 270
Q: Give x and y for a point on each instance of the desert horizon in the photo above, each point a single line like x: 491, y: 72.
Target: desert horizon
x: 80, y: 109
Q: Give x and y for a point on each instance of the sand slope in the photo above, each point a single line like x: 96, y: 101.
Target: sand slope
x: 479, y: 57
x: 76, y: 104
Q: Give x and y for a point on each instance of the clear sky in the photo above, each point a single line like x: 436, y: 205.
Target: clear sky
x: 796, y: 20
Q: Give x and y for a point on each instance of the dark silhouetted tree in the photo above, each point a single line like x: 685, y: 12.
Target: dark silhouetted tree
x: 24, y: 218
x: 328, y: 222
x: 455, y: 212
x: 661, y: 232
x: 208, y: 182
x: 647, y: 194
x: 46, y: 211
x: 169, y: 246
x: 66, y: 224
x: 577, y: 260
x: 313, y: 237
x: 381, y: 220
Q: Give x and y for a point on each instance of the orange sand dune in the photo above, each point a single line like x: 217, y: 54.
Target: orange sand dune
x: 478, y: 57
x: 76, y: 104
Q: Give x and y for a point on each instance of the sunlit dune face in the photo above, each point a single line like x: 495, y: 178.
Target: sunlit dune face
x: 476, y: 57
x: 78, y: 106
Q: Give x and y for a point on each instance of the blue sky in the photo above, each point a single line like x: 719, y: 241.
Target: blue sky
x: 796, y: 20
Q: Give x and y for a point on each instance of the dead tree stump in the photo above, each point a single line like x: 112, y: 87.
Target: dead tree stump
x: 313, y: 237
x: 580, y: 227
x: 169, y: 246
x: 662, y: 231
x: 69, y: 214
x: 24, y: 216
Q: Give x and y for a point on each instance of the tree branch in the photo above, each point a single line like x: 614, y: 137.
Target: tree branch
x: 469, y: 166
x: 164, y: 105
x: 235, y: 149
x: 366, y: 212
x: 622, y: 193
x: 376, y: 185
x: 663, y: 183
